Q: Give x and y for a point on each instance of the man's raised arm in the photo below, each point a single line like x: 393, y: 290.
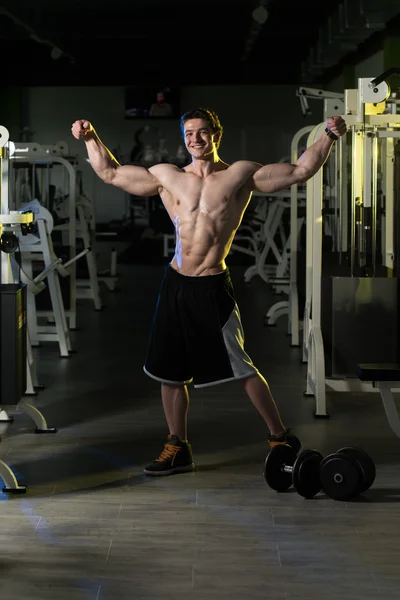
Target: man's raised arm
x: 133, y: 179
x: 272, y: 178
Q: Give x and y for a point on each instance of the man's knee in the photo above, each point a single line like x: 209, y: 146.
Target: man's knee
x: 251, y: 377
x: 173, y: 386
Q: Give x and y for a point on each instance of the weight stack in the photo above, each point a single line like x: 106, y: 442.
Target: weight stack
x: 360, y: 322
x: 12, y: 342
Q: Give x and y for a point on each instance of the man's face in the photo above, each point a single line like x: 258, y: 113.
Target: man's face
x: 199, y: 138
x: 160, y: 97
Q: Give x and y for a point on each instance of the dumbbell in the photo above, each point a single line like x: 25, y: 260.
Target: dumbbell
x: 283, y: 468
x: 342, y: 475
x: 346, y: 473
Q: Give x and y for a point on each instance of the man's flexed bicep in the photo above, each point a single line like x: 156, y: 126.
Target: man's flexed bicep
x: 280, y: 176
x: 275, y: 177
x: 272, y: 178
x: 135, y: 180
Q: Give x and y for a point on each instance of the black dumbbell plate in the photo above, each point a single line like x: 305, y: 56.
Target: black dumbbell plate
x: 306, y: 480
x: 341, y: 476
x: 366, y: 462
x: 274, y: 475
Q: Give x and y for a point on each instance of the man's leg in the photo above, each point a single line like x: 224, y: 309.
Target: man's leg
x: 259, y: 393
x: 175, y: 400
x: 177, y: 454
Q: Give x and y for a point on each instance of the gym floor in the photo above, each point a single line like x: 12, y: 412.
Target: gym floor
x: 92, y: 527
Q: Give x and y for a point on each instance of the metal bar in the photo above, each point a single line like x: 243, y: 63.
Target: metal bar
x: 388, y: 134
x: 374, y: 199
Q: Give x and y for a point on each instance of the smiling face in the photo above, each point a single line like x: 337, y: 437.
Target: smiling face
x: 200, y: 140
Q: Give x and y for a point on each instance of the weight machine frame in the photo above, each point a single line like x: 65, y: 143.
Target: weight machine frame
x: 365, y: 132
x: 15, y: 219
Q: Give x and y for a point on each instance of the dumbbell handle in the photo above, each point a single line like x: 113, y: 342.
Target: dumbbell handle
x: 287, y: 468
x: 338, y: 477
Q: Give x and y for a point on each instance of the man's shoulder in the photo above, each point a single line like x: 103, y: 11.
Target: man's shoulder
x: 166, y: 168
x: 245, y: 165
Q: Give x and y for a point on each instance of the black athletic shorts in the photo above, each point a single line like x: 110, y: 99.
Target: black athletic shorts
x: 197, y: 334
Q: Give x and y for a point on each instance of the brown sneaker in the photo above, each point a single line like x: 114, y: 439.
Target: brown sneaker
x: 175, y: 458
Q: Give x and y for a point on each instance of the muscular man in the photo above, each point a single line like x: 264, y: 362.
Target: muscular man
x: 197, y: 335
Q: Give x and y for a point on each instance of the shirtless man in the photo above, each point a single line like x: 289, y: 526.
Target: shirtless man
x: 197, y: 335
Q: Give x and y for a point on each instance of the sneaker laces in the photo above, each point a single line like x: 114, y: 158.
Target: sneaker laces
x: 169, y: 452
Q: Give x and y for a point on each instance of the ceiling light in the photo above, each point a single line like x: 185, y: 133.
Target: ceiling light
x: 260, y: 14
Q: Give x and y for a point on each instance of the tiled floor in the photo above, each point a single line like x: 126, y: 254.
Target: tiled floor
x: 92, y: 527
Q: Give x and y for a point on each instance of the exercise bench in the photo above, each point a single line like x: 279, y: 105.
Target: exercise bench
x: 385, y: 378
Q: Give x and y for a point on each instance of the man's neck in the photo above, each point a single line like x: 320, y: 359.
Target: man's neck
x: 206, y: 166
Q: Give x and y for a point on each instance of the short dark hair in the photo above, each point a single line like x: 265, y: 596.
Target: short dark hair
x: 203, y: 113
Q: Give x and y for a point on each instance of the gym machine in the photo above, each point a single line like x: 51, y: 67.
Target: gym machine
x: 351, y: 306
x: 37, y: 248
x: 14, y: 337
x: 333, y: 101
x: 333, y: 104
x: 264, y: 234
x: 271, y: 232
x: 297, y: 218
x: 42, y: 160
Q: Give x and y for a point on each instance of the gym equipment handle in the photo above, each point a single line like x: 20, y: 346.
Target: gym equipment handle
x: 385, y: 75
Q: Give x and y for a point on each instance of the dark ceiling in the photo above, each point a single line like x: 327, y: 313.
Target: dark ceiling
x: 186, y: 42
